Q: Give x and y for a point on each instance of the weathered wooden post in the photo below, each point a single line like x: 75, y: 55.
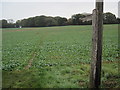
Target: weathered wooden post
x: 97, y: 23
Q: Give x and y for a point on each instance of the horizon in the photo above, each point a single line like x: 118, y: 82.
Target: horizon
x: 63, y: 9
x: 53, y: 16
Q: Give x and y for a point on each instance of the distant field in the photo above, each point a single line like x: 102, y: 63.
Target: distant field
x: 56, y: 57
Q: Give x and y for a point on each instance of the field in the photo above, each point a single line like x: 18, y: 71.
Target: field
x: 56, y: 57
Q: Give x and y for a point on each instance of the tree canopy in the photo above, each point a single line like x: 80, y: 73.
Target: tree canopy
x: 46, y: 21
x: 109, y: 18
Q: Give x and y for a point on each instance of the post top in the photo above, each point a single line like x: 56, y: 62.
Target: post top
x: 99, y: 0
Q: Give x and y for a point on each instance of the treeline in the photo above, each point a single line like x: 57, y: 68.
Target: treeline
x: 5, y: 24
x: 42, y: 21
x: 46, y: 21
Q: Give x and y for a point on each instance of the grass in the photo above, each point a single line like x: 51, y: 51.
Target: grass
x: 57, y: 57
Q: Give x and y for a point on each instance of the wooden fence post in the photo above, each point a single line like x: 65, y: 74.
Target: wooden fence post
x: 97, y: 23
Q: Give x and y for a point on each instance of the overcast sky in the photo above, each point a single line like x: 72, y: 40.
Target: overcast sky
x: 19, y: 9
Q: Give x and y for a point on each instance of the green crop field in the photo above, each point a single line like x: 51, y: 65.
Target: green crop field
x: 56, y: 57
